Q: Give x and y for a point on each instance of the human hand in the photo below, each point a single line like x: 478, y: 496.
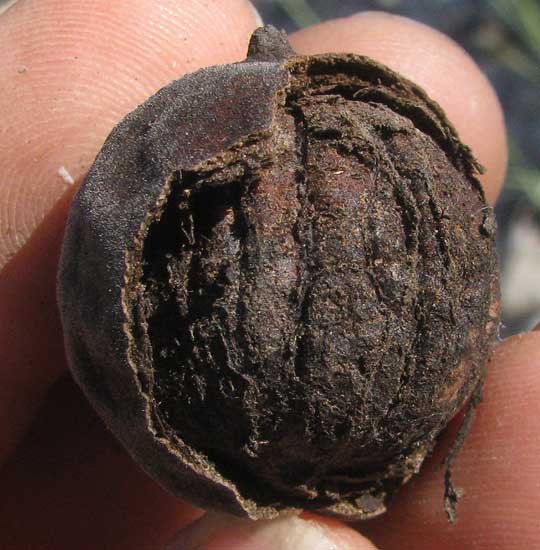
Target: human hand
x: 70, y: 71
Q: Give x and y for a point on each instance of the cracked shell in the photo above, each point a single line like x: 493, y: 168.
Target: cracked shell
x: 279, y: 282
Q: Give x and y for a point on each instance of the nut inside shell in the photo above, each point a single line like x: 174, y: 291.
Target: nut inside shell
x: 279, y: 282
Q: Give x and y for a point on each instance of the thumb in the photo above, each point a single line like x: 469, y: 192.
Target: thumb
x: 309, y: 532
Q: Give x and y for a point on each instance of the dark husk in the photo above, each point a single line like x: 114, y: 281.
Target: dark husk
x: 279, y: 283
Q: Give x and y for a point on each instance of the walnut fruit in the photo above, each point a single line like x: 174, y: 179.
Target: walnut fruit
x: 279, y: 282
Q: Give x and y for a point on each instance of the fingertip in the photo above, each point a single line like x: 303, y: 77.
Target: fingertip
x: 345, y: 536
x: 73, y: 69
x: 435, y: 62
x: 223, y: 532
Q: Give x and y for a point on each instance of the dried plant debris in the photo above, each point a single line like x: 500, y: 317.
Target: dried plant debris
x: 279, y: 283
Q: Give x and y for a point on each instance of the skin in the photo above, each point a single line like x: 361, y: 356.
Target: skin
x: 65, y: 481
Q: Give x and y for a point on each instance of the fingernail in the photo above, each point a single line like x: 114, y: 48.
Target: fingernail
x: 220, y: 532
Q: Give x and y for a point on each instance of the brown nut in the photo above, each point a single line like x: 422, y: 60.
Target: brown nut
x: 279, y: 282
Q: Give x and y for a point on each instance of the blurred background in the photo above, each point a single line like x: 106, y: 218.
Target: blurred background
x: 503, y: 36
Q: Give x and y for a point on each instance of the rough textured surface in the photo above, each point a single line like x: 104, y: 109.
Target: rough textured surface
x: 279, y: 282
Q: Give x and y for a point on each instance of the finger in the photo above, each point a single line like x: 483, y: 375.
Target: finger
x: 498, y: 470
x: 73, y: 69
x: 30, y: 331
x: 69, y: 71
x: 71, y: 485
x: 436, y: 63
x: 223, y: 532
